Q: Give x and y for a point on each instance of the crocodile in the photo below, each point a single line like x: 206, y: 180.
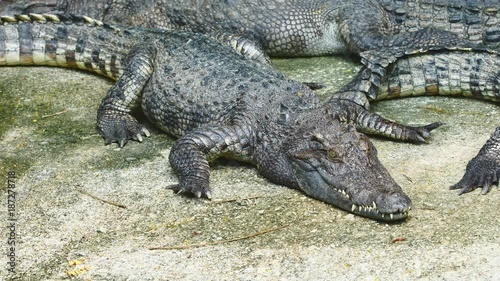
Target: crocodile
x: 302, y: 27
x: 460, y: 72
x: 217, y: 103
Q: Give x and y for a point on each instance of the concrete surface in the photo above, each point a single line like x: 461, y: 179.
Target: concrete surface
x: 63, y: 231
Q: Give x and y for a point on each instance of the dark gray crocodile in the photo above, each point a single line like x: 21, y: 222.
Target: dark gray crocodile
x: 302, y: 27
x: 218, y: 104
x: 469, y: 73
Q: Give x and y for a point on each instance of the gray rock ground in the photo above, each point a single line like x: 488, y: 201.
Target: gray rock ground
x: 63, y: 231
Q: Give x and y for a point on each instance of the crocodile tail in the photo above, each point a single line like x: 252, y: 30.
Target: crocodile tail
x: 60, y: 40
x: 448, y: 73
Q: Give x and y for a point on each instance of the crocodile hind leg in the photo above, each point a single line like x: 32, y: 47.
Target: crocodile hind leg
x: 114, y: 121
x: 483, y: 171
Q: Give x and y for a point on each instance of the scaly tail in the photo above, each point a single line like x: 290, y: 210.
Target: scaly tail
x: 64, y: 41
x: 469, y: 72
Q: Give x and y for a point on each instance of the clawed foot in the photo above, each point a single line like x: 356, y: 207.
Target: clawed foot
x: 119, y: 128
x: 196, y: 190
x: 419, y: 134
x: 481, y: 172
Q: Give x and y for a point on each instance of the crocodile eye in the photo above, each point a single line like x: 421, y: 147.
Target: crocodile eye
x: 332, y: 155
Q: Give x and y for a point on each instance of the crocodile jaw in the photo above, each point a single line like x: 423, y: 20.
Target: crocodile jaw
x: 340, y: 166
x: 383, y: 200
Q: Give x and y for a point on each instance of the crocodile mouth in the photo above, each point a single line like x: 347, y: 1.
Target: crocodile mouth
x: 374, y: 196
x: 372, y: 211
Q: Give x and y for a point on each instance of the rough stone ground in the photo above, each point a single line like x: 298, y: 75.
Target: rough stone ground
x: 60, y: 161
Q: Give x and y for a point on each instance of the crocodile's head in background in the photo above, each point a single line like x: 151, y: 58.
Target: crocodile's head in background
x: 334, y: 163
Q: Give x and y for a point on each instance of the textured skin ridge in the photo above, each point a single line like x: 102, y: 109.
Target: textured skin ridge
x: 468, y: 72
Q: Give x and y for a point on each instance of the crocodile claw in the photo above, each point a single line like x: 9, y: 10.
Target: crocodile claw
x: 138, y: 137
x: 122, y: 143
x: 119, y: 128
x: 481, y: 172
x: 196, y: 191
x: 420, y: 134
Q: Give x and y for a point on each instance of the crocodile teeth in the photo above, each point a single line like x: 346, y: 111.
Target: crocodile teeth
x: 24, y: 17
x: 88, y: 20
x: 392, y: 216
x: 37, y: 17
x: 353, y: 208
x: 50, y: 17
x: 8, y: 19
x: 374, y: 205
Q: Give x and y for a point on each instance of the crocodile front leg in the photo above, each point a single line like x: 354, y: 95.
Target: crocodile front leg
x: 371, y: 123
x: 191, y: 154
x: 114, y: 121
x: 482, y: 171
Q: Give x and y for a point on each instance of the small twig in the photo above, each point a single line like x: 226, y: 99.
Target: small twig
x: 55, y: 114
x: 102, y: 200
x: 398, y: 239
x: 233, y: 200
x: 180, y: 247
x: 408, y: 178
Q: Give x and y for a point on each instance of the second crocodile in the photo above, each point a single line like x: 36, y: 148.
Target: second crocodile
x: 301, y: 27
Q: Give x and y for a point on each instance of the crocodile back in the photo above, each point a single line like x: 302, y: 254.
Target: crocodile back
x: 198, y: 81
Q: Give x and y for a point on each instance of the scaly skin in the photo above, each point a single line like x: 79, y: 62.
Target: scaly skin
x: 303, y: 27
x: 218, y: 104
x: 469, y: 73
x: 458, y: 73
x: 483, y: 171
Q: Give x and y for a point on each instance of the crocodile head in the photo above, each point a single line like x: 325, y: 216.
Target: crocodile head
x: 334, y: 163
